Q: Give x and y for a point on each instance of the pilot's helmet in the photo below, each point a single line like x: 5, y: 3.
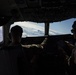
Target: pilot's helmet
x: 74, y: 27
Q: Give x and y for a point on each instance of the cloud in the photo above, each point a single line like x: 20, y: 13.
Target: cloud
x: 33, y: 29
x: 53, y: 32
x: 30, y: 28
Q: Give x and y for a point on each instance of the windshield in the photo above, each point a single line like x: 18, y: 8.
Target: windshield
x: 62, y: 27
x: 1, y: 34
x: 31, y: 29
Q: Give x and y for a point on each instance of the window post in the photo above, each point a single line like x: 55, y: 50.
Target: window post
x: 47, y: 28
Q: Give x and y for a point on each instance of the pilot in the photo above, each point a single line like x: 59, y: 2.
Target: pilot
x: 16, y: 35
x: 73, y: 56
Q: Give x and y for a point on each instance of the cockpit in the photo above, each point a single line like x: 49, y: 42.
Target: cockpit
x: 39, y: 19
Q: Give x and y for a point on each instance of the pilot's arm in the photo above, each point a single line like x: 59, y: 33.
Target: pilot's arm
x: 71, y: 46
x: 40, y: 45
x: 43, y: 43
x: 36, y: 45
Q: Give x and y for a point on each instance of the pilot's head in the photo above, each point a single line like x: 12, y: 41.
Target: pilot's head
x: 74, y: 29
x: 16, y: 33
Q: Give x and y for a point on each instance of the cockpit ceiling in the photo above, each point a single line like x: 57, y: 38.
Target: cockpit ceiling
x: 38, y: 10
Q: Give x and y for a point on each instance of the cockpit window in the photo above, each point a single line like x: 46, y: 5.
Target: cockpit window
x: 63, y: 27
x: 31, y: 29
x: 1, y: 34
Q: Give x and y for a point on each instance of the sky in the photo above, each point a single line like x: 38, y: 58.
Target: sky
x: 37, y: 29
x: 63, y: 27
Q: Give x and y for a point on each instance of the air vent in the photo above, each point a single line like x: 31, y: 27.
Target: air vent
x: 52, y: 3
x: 33, y: 3
x: 32, y: 0
x: 20, y: 1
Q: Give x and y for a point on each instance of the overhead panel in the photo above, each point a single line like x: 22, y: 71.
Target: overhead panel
x: 39, y: 10
x: 45, y: 10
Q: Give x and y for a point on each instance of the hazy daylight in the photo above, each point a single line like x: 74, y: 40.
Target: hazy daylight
x: 37, y: 29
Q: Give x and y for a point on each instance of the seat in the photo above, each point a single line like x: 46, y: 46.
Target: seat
x: 13, y: 61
